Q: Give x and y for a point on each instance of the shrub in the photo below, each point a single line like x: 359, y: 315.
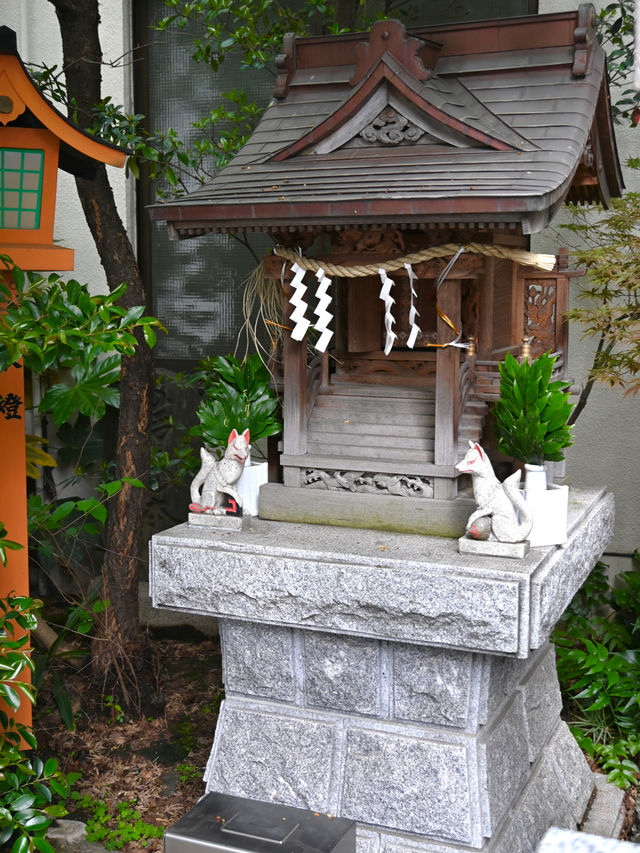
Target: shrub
x: 598, y: 654
x: 27, y: 784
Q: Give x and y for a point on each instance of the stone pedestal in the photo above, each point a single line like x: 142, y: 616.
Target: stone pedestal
x: 388, y: 679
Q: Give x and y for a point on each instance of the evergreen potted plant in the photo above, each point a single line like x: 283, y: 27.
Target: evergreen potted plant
x: 237, y: 396
x: 530, y: 423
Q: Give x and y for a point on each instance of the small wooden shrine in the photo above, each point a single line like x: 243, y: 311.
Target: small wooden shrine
x: 401, y: 176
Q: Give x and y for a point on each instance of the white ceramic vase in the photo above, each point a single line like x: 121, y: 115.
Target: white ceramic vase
x: 548, y: 504
x: 535, y: 479
x: 253, y: 476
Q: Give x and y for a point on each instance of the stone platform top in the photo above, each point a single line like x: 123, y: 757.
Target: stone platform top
x: 392, y: 586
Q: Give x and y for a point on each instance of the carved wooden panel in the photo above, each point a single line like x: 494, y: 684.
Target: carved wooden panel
x: 467, y: 266
x: 540, y: 314
x: 378, y: 368
x: 391, y: 128
x: 386, y: 242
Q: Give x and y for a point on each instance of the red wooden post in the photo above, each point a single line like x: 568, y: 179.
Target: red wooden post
x: 14, y: 577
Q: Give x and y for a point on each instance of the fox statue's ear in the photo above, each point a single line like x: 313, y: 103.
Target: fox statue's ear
x: 232, y: 436
x: 246, y: 435
x: 479, y: 449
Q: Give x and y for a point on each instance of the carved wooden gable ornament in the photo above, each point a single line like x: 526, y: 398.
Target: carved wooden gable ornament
x: 396, y: 100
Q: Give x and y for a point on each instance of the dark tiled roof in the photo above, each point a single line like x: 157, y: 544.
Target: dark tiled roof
x: 505, y: 134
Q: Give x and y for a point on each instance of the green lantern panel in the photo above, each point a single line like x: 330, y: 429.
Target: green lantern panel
x: 20, y: 187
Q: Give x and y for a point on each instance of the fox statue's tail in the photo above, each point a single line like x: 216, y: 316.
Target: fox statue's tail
x: 504, y: 529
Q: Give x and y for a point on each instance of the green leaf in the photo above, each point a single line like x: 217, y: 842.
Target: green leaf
x: 63, y: 701
x: 20, y: 845
x: 10, y: 696
x: 25, y: 801
x: 149, y: 336
x: 56, y: 811
x: 61, y: 512
x: 111, y: 488
x: 38, y: 821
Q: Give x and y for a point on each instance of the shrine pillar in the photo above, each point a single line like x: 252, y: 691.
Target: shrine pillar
x: 447, y: 379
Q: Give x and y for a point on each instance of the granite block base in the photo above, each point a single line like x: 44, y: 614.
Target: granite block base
x: 427, y: 749
x: 222, y: 522
x: 389, y: 679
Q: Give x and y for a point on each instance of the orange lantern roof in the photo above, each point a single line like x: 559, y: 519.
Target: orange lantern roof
x: 36, y: 140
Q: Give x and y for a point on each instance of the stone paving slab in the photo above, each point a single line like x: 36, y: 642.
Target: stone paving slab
x: 605, y: 815
x: 564, y: 841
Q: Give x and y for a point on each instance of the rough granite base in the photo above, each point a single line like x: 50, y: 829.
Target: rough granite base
x: 388, y: 679
x: 428, y: 749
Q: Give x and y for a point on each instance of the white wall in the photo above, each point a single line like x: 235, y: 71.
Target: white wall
x: 36, y: 27
x: 607, y: 433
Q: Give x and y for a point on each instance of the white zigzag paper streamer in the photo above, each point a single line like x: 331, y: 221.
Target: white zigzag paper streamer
x: 301, y: 324
x: 385, y: 295
x: 413, y: 312
x: 324, y: 317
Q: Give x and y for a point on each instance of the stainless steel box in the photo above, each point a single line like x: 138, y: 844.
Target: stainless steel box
x: 224, y: 823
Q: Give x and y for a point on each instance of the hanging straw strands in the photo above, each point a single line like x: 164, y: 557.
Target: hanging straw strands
x: 262, y: 301
x: 530, y: 259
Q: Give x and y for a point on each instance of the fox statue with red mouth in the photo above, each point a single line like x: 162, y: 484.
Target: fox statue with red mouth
x: 218, y: 478
x: 499, y: 502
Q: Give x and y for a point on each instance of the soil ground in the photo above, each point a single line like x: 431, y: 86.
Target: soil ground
x: 155, y: 763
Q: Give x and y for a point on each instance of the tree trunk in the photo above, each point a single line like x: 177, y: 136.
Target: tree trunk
x: 119, y: 644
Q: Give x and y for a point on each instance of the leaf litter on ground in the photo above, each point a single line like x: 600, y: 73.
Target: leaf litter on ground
x: 155, y: 762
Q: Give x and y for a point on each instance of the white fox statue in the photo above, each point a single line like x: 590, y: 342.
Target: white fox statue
x: 219, y: 477
x: 501, y: 502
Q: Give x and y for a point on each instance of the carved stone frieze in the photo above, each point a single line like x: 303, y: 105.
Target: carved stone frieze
x: 391, y: 128
x: 401, y: 485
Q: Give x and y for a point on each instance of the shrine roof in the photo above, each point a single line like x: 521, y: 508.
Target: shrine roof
x: 479, y: 123
x: 23, y: 105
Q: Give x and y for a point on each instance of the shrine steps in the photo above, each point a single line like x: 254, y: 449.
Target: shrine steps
x: 355, y: 424
x: 471, y: 424
x: 369, y: 423
x: 378, y: 441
